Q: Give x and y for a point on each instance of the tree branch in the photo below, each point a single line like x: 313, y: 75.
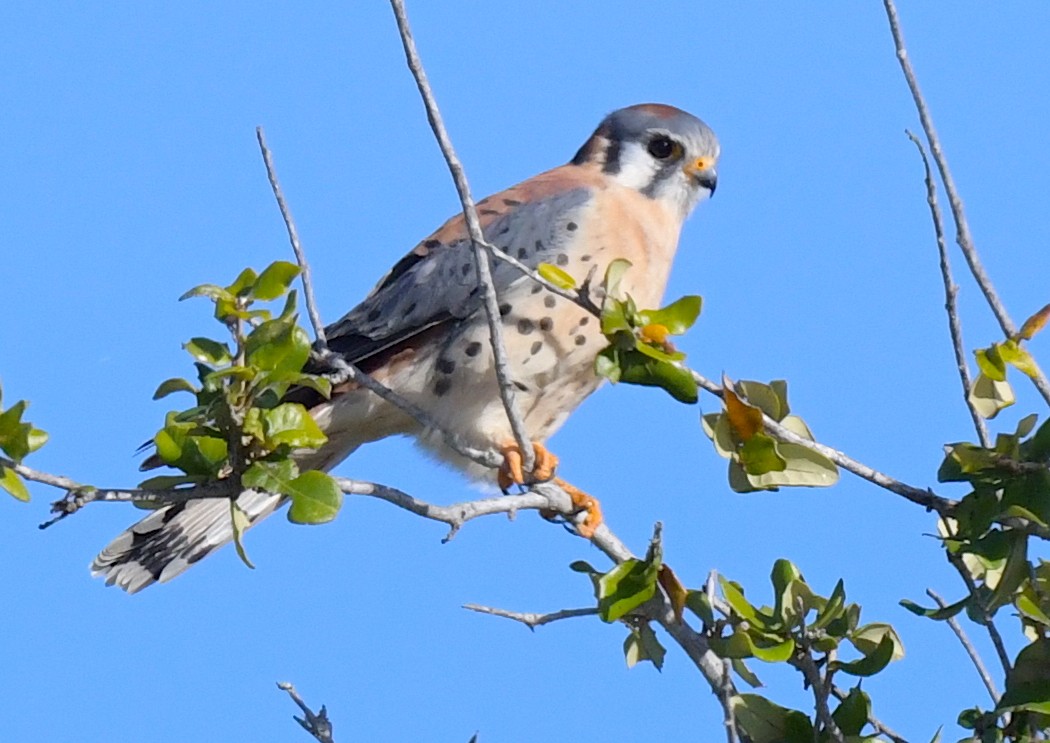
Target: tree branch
x: 925, y: 498
x: 293, y: 237
x: 481, y: 249
x: 971, y: 651
x: 317, y: 725
x: 950, y: 292
x: 532, y: 620
x: 962, y: 236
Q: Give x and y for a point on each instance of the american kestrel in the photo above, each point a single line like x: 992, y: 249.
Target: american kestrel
x: 422, y: 331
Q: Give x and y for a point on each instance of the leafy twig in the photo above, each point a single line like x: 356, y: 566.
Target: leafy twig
x: 962, y: 236
x: 925, y: 498
x: 971, y: 651
x: 317, y: 725
x: 950, y: 292
x: 481, y: 252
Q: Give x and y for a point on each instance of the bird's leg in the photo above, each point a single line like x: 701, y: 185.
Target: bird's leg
x: 586, y: 503
x: 511, y: 473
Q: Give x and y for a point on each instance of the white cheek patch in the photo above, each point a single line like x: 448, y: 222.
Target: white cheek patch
x: 637, y: 167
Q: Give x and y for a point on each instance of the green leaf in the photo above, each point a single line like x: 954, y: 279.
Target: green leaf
x: 270, y: 477
x: 833, y: 609
x: 207, y: 350
x: 626, y: 587
x: 852, y: 713
x: 243, y: 284
x: 699, y: 603
x: 871, y: 663
x: 274, y: 281
x: 734, y: 596
x: 868, y: 638
x: 745, y: 673
x: 937, y: 614
x: 168, y: 386
x: 607, y: 364
x: 988, y: 396
x: 582, y: 566
x: 770, y: 399
x: 636, y: 368
x: 1014, y: 354
x: 677, y: 317
x: 210, y: 291
x: 289, y: 424
x: 12, y: 483
x: 1028, y: 682
x: 560, y: 278
x: 1014, y: 573
x: 642, y: 644
x: 613, y: 275
x: 759, y: 455
x: 278, y: 345
x: 240, y: 521
x: 766, y: 722
x: 316, y: 498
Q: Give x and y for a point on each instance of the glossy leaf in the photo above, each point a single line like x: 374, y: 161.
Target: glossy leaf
x: 745, y: 420
x: 677, y: 317
x: 270, y: 477
x: 852, y: 714
x: 239, y: 521
x: 211, y: 291
x: 699, y: 603
x: 557, y: 276
x: 675, y: 380
x: 169, y: 386
x: 626, y: 587
x: 1028, y: 682
x: 1018, y: 357
x: 759, y: 455
x: 274, y: 281
x: 278, y: 345
x: 316, y: 498
x: 13, y: 484
x: 870, y: 664
x: 291, y: 425
x: 642, y: 644
x: 938, y: 614
x: 244, y: 282
x: 989, y: 396
x: 766, y: 722
x: 207, y: 350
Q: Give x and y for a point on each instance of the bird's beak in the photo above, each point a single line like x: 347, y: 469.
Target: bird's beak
x: 702, y: 170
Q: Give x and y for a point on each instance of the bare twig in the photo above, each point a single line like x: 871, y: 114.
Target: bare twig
x: 925, y: 498
x: 293, y: 237
x: 317, y: 725
x: 481, y: 252
x: 980, y: 614
x: 880, y: 727
x: 950, y: 292
x: 971, y: 651
x: 962, y: 236
x: 532, y: 620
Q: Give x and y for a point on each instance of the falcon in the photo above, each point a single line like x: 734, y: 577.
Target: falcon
x: 423, y: 331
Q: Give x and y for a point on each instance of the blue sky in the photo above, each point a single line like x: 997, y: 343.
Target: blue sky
x: 130, y: 173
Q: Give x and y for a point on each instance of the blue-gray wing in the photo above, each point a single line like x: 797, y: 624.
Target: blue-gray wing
x: 436, y: 282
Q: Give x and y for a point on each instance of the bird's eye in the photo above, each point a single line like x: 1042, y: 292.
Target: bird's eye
x: 662, y: 147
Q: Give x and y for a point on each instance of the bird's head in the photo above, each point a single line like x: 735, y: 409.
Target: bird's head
x: 663, y: 152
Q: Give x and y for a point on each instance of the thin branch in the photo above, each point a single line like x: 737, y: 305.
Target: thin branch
x: 962, y: 236
x: 950, y: 292
x: 880, y: 727
x: 971, y: 651
x: 925, y: 498
x: 982, y: 616
x: 821, y: 687
x: 532, y: 620
x: 293, y: 237
x: 317, y: 725
x: 481, y: 253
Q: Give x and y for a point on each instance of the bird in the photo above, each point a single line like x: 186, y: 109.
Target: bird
x: 422, y: 331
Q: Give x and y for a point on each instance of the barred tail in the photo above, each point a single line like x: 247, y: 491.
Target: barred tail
x: 173, y: 538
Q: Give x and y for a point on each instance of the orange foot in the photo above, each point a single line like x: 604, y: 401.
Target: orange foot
x: 512, y: 473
